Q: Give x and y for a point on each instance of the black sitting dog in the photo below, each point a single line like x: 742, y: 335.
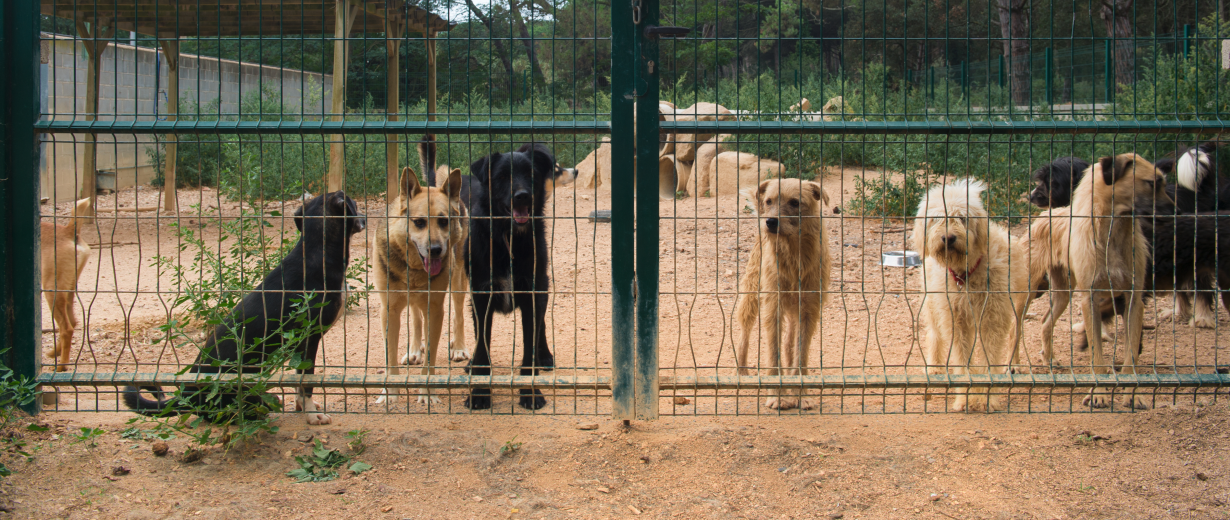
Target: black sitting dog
x: 1055, y: 182
x: 311, y: 277
x: 506, y: 258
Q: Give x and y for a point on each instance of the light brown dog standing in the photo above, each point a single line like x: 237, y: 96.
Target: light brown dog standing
x: 419, y: 262
x: 1104, y: 251
x: 63, y: 258
x: 787, y: 279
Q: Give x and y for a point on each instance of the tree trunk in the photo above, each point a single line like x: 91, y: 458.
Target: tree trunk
x: 1117, y: 16
x: 1014, y: 27
x: 499, y: 47
x: 539, y: 77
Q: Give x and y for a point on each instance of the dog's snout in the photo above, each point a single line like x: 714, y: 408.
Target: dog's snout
x: 522, y: 198
x: 771, y: 224
x: 436, y: 250
x: 950, y: 240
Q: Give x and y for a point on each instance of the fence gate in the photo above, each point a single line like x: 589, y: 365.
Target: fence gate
x: 197, y: 129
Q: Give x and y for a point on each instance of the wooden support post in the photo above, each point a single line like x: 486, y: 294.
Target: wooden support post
x: 170, y: 200
x: 347, y: 10
x: 394, y: 25
x: 95, y: 44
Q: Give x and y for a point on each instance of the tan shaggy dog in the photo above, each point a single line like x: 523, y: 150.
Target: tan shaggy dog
x: 974, y: 284
x: 1104, y: 252
x: 787, y: 278
x: 419, y: 263
x: 63, y: 258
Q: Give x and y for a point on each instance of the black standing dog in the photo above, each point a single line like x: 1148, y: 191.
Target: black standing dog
x: 1055, y: 182
x: 316, y: 266
x: 506, y: 258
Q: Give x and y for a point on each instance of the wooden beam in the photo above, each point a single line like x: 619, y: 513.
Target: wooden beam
x: 346, y: 12
x: 170, y: 200
x: 393, y: 28
x: 95, y: 42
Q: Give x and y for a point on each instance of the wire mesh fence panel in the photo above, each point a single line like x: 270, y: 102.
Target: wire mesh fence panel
x: 857, y: 201
x: 877, y: 207
x: 239, y: 119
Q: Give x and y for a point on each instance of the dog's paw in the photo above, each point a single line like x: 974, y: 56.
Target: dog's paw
x: 387, y: 397
x: 414, y: 357
x: 1205, y: 322
x: 1172, y: 313
x: 781, y: 403
x: 1138, y: 403
x: 480, y: 399
x: 532, y: 399
x: 425, y: 399
x: 1097, y: 400
x: 545, y: 361
x: 458, y: 355
x: 959, y: 404
x: 318, y: 418
x: 1020, y: 369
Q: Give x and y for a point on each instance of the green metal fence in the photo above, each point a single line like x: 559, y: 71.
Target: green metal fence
x: 234, y: 110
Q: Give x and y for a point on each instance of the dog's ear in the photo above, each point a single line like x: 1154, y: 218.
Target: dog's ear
x: 480, y: 167
x: 453, y: 185
x: 1107, y: 166
x: 541, y: 158
x: 764, y: 186
x: 817, y: 192
x: 299, y: 216
x: 1164, y: 165
x: 410, y: 185
x: 1114, y: 169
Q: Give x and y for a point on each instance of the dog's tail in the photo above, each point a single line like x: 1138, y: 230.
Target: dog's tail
x: 427, y: 158
x: 83, y: 215
x: 1192, y: 168
x: 134, y: 401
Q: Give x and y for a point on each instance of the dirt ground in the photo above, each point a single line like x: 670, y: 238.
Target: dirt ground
x: 722, y: 455
x: 1164, y: 463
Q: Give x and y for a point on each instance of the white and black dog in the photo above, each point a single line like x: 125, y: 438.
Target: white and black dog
x: 311, y: 276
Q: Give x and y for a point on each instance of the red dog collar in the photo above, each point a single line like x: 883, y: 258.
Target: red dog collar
x: 961, y: 279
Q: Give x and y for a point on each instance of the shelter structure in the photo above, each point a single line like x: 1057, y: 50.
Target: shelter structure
x: 170, y: 21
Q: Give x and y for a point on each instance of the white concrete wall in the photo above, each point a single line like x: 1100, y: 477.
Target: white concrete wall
x: 129, y: 90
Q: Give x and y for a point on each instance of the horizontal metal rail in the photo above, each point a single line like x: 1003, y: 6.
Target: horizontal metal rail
x: 604, y: 127
x: 916, y: 381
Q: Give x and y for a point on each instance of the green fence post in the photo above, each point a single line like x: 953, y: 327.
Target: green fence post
x: 623, y: 237
x: 1001, y: 71
x: 1108, y: 70
x: 21, y: 320
x: 1050, y: 77
x: 1188, y: 31
x: 646, y: 375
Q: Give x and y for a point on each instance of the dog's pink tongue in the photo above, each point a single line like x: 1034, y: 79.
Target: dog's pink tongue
x: 520, y: 216
x: 433, y: 266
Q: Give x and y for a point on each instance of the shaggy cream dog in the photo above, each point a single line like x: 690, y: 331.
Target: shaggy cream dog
x: 975, y: 288
x: 787, y: 279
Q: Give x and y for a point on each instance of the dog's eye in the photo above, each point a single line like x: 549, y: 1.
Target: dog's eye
x: 420, y: 223
x: 442, y: 222
x: 794, y: 203
x: 768, y: 201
